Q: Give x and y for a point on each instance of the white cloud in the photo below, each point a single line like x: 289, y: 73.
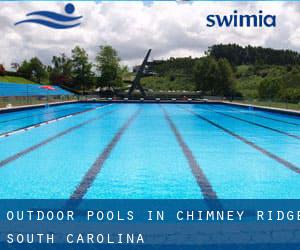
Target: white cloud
x: 169, y: 28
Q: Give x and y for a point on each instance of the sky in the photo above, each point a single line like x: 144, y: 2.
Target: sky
x: 171, y: 29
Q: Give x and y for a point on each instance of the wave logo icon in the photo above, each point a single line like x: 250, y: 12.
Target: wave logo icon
x: 54, y: 20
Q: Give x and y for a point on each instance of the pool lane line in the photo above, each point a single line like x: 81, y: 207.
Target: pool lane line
x: 38, y: 114
x: 95, y: 169
x: 201, y: 179
x: 256, y: 124
x: 23, y: 129
x: 29, y: 127
x: 280, y: 160
x: 50, y: 139
x: 273, y: 119
x: 266, y: 117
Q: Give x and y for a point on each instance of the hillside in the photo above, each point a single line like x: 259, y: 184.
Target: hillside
x: 172, y: 74
x: 15, y: 79
x: 281, y: 83
x: 258, y: 73
x: 165, y: 83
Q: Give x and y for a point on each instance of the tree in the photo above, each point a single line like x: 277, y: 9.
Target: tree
x: 25, y: 69
x: 290, y: 94
x: 2, y: 70
x: 81, y: 69
x: 33, y: 70
x: 108, y: 65
x: 270, y: 88
x: 225, y: 79
x: 38, y: 70
x: 238, y: 55
x: 61, y: 70
x: 205, y: 73
x: 214, y: 76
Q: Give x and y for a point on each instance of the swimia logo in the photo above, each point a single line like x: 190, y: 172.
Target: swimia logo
x: 54, y: 20
x: 239, y: 20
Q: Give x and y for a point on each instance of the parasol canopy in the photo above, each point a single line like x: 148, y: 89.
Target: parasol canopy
x: 48, y: 87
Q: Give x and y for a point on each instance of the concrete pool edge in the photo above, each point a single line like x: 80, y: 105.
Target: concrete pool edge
x: 236, y: 104
x: 263, y: 108
x: 34, y: 106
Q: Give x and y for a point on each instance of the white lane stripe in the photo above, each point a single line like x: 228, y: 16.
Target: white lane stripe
x: 45, y: 123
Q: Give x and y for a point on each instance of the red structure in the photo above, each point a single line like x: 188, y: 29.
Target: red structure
x: 2, y: 70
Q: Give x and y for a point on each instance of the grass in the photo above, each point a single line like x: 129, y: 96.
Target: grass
x: 273, y: 104
x: 165, y: 83
x: 15, y: 79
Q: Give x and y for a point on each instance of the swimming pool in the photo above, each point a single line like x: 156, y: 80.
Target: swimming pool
x: 172, y: 151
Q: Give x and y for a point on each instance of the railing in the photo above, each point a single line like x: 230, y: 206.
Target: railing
x: 15, y: 101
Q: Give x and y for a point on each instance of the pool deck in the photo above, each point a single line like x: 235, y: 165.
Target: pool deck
x: 263, y: 108
x: 19, y: 108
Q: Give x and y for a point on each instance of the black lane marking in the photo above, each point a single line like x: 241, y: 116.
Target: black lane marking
x: 256, y: 124
x: 280, y: 160
x: 94, y: 170
x: 266, y: 117
x: 273, y: 119
x: 203, y: 182
x: 50, y: 139
x: 38, y: 114
x: 49, y: 121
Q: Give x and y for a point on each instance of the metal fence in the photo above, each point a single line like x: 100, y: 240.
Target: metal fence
x: 14, y: 101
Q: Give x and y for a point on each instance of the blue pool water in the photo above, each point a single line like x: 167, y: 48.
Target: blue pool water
x: 17, y: 120
x: 149, y: 151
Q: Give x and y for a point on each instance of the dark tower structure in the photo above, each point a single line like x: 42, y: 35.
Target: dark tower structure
x: 136, y: 82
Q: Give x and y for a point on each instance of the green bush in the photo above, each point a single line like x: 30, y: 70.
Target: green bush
x: 213, y: 76
x: 172, y: 78
x: 270, y: 88
x: 290, y: 95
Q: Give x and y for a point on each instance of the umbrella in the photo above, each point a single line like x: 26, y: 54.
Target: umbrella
x: 47, y: 87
